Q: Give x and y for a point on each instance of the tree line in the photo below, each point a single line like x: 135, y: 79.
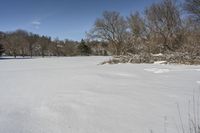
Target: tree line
x: 23, y: 43
x: 163, y: 27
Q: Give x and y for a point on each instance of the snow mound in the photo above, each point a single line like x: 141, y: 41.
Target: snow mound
x: 160, y: 62
x: 156, y: 55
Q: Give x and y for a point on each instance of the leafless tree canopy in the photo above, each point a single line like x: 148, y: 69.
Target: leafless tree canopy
x: 164, y: 21
x: 136, y: 24
x: 112, y: 28
x: 193, y: 8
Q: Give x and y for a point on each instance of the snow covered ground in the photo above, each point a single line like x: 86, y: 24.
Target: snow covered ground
x: 76, y: 95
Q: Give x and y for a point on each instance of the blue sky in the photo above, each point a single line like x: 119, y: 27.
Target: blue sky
x: 65, y: 19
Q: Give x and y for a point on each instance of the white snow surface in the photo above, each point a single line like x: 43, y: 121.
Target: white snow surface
x: 76, y: 95
x: 160, y: 62
x: 160, y: 54
x: 157, y: 70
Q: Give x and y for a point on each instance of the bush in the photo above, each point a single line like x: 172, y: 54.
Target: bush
x: 170, y: 58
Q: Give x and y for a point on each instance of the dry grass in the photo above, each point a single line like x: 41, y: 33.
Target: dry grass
x: 193, y: 120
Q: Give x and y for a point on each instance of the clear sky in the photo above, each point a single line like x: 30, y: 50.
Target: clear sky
x: 61, y: 18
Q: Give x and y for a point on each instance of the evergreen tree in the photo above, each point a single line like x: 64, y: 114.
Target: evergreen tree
x: 83, y: 48
x: 1, y: 49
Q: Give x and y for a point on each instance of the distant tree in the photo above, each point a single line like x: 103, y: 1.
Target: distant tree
x: 22, y: 43
x: 193, y: 8
x: 57, y: 47
x: 32, y: 40
x: 44, y: 45
x: 83, y: 48
x: 1, y: 49
x: 105, y: 53
x: 70, y: 48
x: 98, y: 47
x: 22, y: 40
x: 2, y: 36
x: 12, y: 45
x: 112, y: 28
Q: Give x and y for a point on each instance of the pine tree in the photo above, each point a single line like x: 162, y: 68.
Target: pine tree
x: 83, y: 48
x: 1, y: 49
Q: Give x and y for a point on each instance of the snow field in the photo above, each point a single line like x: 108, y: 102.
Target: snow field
x: 76, y: 95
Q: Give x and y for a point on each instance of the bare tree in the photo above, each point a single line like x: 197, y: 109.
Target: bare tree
x: 22, y: 40
x: 57, y: 47
x: 70, y: 48
x: 137, y: 29
x: 193, y: 8
x: 22, y: 43
x: 111, y: 28
x: 191, y: 37
x: 44, y: 45
x: 12, y: 45
x: 32, y: 41
x: 136, y: 24
x: 163, y: 19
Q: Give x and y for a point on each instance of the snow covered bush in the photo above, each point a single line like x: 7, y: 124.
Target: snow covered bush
x: 171, y: 58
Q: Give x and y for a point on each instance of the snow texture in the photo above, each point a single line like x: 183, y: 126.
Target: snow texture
x: 76, y: 95
x: 160, y: 54
x: 160, y: 62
